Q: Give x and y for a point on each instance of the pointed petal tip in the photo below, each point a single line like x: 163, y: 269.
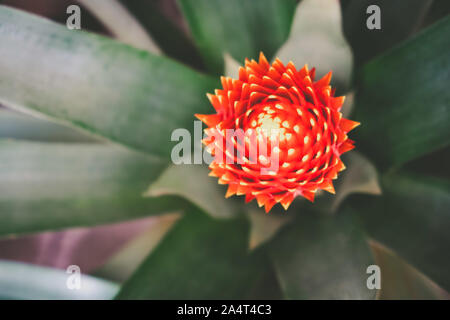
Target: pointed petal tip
x: 346, y: 146
x: 262, y: 58
x: 211, y: 120
x: 269, y: 205
x: 324, y: 81
x: 249, y: 197
x: 337, y: 102
x: 330, y: 188
x: 230, y: 192
x: 308, y: 195
x: 348, y: 125
x: 286, y: 205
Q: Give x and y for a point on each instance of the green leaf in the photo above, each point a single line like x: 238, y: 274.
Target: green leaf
x: 359, y: 177
x: 48, y: 186
x: 349, y: 103
x: 169, y: 33
x: 126, y: 261
x: 316, y: 39
x: 242, y: 28
x: 200, y: 258
x: 322, y: 257
x: 107, y: 88
x: 433, y: 164
x: 231, y: 67
x: 403, y: 103
x: 19, y: 126
x: 121, y: 23
x: 412, y: 218
x: 400, y: 281
x: 264, y: 226
x: 193, y: 183
x: 28, y: 282
x: 399, y: 20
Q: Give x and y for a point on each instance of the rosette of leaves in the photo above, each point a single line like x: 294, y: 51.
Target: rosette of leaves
x: 86, y: 131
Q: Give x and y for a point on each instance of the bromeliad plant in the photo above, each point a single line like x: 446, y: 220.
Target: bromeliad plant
x: 391, y: 204
x: 297, y: 119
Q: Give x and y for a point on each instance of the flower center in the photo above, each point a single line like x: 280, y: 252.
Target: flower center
x: 270, y: 122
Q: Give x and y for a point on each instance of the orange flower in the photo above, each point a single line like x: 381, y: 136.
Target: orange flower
x: 312, y: 134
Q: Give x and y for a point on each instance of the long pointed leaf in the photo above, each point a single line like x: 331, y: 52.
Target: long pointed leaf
x: 128, y: 258
x: 107, y: 88
x: 193, y: 183
x: 412, y: 218
x: 167, y: 33
x: 121, y: 23
x: 404, y: 102
x: 395, y: 27
x: 316, y: 39
x: 14, y: 125
x: 48, y: 186
x: 322, y: 258
x: 399, y: 280
x: 242, y: 28
x: 200, y: 258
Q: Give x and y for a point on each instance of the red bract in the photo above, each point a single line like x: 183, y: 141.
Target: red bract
x: 312, y: 132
